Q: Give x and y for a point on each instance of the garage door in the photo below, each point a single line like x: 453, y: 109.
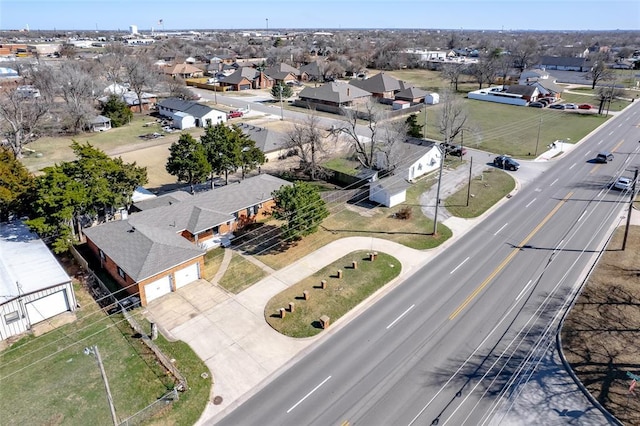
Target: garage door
x: 186, y: 275
x: 245, y: 86
x: 157, y: 288
x: 47, y: 307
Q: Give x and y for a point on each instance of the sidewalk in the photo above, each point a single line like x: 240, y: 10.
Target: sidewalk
x: 231, y: 335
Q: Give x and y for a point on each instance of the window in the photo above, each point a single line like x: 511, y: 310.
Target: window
x: 121, y: 273
x: 102, y: 256
x: 216, y: 230
x: 11, y: 317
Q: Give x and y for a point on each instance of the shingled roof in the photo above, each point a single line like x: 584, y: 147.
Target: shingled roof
x: 380, y: 83
x: 334, y: 92
x: 265, y: 139
x: 190, y: 107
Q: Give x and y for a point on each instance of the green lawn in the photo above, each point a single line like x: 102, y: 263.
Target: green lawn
x: 485, y: 191
x: 212, y: 261
x: 340, y: 296
x: 49, y: 380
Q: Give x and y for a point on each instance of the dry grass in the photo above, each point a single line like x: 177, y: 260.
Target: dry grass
x: 212, y: 261
x: 601, y: 334
x: 240, y: 274
x: 340, y: 296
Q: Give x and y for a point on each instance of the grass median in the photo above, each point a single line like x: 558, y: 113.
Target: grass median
x: 339, y: 297
x: 485, y: 191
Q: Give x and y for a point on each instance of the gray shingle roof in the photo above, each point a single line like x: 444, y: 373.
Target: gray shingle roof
x: 563, y: 61
x: 313, y: 69
x: 282, y: 68
x: 393, y: 184
x: 189, y: 107
x: 149, y: 242
x: 380, y: 83
x: 411, y: 93
x: 520, y: 89
x: 265, y: 139
x: 142, y: 251
x: 334, y: 92
x: 162, y: 200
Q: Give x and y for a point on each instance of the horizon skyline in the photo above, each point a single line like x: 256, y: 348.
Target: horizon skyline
x: 496, y: 15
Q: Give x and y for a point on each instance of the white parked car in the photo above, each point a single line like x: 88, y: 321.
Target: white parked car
x: 623, y: 183
x: 570, y: 106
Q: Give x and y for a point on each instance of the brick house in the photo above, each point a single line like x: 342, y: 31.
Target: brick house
x: 161, y: 249
x: 245, y: 78
x: 381, y: 85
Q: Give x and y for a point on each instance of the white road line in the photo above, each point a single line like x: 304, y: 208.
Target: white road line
x: 400, y: 317
x: 600, y: 141
x: 587, y: 153
x: 501, y: 228
x: 456, y: 268
x: 572, y: 166
x: 553, y: 182
x: 523, y: 290
x: 558, y: 246
x: 582, y: 215
x: 308, y: 395
x: 530, y: 202
x: 601, y: 192
x: 620, y: 125
x: 610, y: 133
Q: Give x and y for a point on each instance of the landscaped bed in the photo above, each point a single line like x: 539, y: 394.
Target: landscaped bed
x: 339, y: 297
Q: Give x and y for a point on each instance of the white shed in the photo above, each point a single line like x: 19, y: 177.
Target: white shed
x: 400, y: 105
x: 389, y: 191
x: 182, y: 120
x: 432, y: 99
x: 33, y: 285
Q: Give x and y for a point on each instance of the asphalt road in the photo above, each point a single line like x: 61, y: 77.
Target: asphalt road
x: 462, y: 335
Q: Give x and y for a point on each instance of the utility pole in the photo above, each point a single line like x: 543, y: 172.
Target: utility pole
x: 435, y: 218
x: 281, y: 107
x: 93, y: 350
x: 469, y: 183
x: 461, y: 142
x: 631, y: 200
x: 424, y: 129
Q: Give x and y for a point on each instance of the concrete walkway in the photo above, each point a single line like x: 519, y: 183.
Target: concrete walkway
x: 230, y: 333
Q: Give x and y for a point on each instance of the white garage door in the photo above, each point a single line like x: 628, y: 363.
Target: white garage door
x: 157, y: 288
x: 186, y: 275
x: 47, y: 307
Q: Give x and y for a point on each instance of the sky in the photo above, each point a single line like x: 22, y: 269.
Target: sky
x: 570, y: 15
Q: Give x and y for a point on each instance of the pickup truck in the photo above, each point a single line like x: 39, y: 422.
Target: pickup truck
x: 234, y: 114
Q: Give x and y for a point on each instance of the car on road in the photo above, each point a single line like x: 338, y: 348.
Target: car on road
x: 603, y: 157
x: 536, y: 104
x: 585, y: 106
x: 623, y: 183
x: 234, y: 114
x: 456, y: 150
x: 570, y: 106
x: 557, y: 106
x: 506, y: 163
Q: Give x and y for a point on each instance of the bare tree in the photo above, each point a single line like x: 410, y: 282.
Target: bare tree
x: 599, y: 70
x: 140, y: 74
x: 391, y: 136
x: 524, y: 53
x: 78, y: 90
x: 21, y: 120
x: 453, y: 72
x: 310, y: 145
x: 452, y: 116
x: 112, y: 62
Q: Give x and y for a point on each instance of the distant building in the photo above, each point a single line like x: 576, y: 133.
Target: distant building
x: 133, y: 29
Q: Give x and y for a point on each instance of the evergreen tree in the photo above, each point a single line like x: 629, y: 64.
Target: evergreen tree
x: 188, y: 161
x: 16, y: 185
x: 117, y: 110
x: 414, y: 129
x: 301, y: 206
x: 281, y: 91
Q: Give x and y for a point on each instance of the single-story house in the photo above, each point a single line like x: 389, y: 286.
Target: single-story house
x: 270, y: 142
x: 283, y: 73
x: 565, y: 63
x: 414, y: 158
x: 334, y: 94
x: 245, y: 78
x: 202, y: 114
x: 100, y: 123
x: 411, y: 94
x: 131, y: 99
x: 529, y: 93
x: 183, y: 71
x: 313, y: 71
x: 381, y: 85
x: 33, y: 285
x: 161, y: 249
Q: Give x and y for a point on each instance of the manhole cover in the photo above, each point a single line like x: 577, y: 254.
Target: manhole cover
x: 217, y: 400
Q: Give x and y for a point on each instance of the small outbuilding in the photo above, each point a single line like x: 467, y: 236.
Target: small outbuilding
x: 100, y: 124
x: 389, y: 191
x: 182, y: 120
x: 432, y: 99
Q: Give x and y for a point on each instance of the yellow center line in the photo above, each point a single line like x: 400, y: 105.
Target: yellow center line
x: 615, y: 148
x: 508, y: 259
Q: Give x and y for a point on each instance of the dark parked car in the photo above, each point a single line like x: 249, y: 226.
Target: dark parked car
x: 450, y: 149
x: 536, y: 105
x: 603, y: 157
x: 506, y: 163
x: 557, y: 106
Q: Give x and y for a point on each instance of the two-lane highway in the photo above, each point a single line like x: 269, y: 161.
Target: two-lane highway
x: 462, y: 334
